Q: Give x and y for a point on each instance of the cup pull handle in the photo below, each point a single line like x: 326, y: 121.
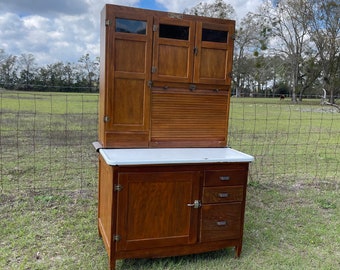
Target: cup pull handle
x: 223, y: 195
x: 224, y: 178
x: 221, y: 223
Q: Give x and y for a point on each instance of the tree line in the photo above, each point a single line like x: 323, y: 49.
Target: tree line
x: 23, y: 73
x: 287, y: 47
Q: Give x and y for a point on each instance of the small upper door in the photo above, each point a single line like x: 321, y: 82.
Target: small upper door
x: 173, y: 50
x: 213, y: 53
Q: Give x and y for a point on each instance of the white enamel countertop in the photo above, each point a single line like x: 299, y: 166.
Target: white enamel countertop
x: 148, y: 156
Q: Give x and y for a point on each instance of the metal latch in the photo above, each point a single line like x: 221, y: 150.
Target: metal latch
x: 116, y: 238
x: 196, y: 204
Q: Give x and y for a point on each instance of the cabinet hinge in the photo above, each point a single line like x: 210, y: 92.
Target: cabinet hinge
x: 108, y: 22
x: 153, y: 69
x: 150, y: 84
x: 233, y: 36
x: 155, y: 28
x: 116, y: 237
x: 106, y: 119
x: 118, y: 187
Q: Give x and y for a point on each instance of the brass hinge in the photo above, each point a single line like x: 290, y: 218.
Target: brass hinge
x: 116, y: 237
x: 118, y: 187
x: 155, y: 28
x: 108, y: 22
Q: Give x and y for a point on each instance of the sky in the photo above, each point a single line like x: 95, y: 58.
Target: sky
x: 65, y: 30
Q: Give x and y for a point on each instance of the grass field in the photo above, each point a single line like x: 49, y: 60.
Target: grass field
x: 49, y: 176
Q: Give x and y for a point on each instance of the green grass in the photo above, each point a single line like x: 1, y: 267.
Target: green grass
x: 48, y: 203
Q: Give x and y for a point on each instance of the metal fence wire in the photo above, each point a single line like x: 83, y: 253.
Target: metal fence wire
x: 46, y: 141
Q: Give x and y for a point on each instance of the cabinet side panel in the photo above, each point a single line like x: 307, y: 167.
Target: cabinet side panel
x: 105, y: 188
x: 102, y: 78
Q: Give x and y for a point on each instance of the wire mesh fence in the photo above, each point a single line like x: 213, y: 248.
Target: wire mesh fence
x: 46, y: 141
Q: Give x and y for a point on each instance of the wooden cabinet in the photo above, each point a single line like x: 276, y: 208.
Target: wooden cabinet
x: 165, y: 79
x: 168, y: 185
x: 163, y: 203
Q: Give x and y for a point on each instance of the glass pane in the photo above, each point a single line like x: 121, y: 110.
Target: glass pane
x: 174, y: 31
x: 130, y: 26
x: 214, y: 35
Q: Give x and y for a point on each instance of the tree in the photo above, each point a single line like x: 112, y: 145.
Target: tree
x: 8, y: 70
x: 27, y: 64
x: 89, y: 70
x: 251, y: 39
x: 324, y: 28
x: 217, y: 9
x: 288, y: 22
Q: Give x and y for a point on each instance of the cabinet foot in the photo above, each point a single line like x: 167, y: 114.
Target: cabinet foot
x: 112, y: 265
x: 238, y: 250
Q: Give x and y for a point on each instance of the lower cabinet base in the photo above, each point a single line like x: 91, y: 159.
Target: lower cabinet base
x: 154, y: 211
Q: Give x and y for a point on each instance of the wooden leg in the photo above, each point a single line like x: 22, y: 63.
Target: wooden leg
x: 238, y: 250
x: 112, y: 265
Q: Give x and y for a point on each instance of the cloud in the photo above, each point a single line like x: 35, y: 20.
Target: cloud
x: 45, y: 7
x: 65, y: 30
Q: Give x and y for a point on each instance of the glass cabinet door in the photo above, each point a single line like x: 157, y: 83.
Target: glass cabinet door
x: 213, y: 60
x: 173, y: 50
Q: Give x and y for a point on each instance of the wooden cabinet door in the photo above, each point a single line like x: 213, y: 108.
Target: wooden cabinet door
x: 214, y: 53
x: 153, y: 209
x: 128, y: 58
x: 173, y: 50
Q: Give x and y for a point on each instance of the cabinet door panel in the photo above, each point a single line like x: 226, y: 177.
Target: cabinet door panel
x: 213, y: 62
x: 153, y: 210
x: 127, y: 65
x: 173, y: 50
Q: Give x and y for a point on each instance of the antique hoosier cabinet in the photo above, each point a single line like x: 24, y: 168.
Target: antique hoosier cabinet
x: 168, y: 183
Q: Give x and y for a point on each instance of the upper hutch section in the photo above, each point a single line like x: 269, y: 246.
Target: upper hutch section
x: 165, y: 79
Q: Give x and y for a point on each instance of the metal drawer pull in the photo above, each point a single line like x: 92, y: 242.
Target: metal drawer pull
x: 223, y: 195
x: 224, y: 178
x: 196, y: 204
x: 221, y: 223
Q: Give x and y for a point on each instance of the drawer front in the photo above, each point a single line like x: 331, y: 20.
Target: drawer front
x: 222, y: 194
x: 221, y: 221
x: 225, y: 177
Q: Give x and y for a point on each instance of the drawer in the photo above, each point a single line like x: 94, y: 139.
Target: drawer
x: 222, y: 194
x: 225, y: 177
x: 221, y: 221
